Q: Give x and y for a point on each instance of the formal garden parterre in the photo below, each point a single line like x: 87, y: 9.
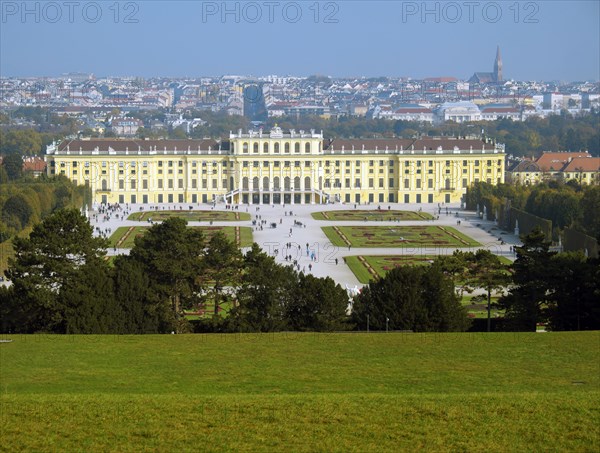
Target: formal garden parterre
x: 372, y: 215
x: 398, y: 236
x: 191, y: 215
x: 368, y: 267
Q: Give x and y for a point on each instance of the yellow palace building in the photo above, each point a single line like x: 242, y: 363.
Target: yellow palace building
x: 296, y: 167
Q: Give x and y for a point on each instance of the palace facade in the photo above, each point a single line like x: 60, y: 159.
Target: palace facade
x: 296, y: 167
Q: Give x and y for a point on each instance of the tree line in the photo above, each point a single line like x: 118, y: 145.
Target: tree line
x: 567, y: 205
x: 25, y: 202
x: 63, y: 283
x: 560, y: 132
x: 522, y: 138
x: 560, y: 289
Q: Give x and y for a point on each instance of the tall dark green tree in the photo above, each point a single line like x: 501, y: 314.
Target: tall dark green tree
x: 526, y: 303
x: 574, y: 292
x: 590, y: 212
x: 222, y: 264
x: 318, y: 304
x: 417, y: 298
x: 171, y: 255
x: 59, y: 277
x: 141, y: 308
x: 265, y: 292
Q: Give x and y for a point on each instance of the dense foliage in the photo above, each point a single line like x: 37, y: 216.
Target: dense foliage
x: 561, y: 289
x: 532, y: 136
x: 565, y: 204
x: 26, y: 201
x: 561, y: 132
x: 413, y: 298
x: 62, y: 283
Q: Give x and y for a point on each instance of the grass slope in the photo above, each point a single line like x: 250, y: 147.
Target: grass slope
x: 301, y: 392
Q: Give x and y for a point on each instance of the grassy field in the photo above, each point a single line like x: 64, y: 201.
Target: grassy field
x: 124, y: 237
x: 367, y: 267
x: 301, y: 392
x: 374, y: 214
x: 191, y: 216
x: 416, y: 237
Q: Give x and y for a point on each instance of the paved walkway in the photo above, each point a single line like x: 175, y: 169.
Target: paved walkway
x: 324, y: 264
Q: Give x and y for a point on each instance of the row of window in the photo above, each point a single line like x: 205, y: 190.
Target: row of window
x: 169, y: 185
x: 162, y: 198
x: 170, y: 198
x: 276, y: 148
x: 328, y: 163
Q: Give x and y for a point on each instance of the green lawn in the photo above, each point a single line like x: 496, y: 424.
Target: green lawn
x: 371, y: 214
x: 124, y: 237
x: 367, y: 267
x: 191, y: 216
x: 416, y: 237
x: 302, y: 392
x: 380, y: 265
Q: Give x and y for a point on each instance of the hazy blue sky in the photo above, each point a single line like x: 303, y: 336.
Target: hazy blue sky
x: 541, y: 40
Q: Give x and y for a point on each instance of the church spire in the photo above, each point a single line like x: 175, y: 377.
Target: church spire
x: 498, y: 66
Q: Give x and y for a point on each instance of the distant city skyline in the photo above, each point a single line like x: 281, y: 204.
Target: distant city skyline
x: 542, y: 40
